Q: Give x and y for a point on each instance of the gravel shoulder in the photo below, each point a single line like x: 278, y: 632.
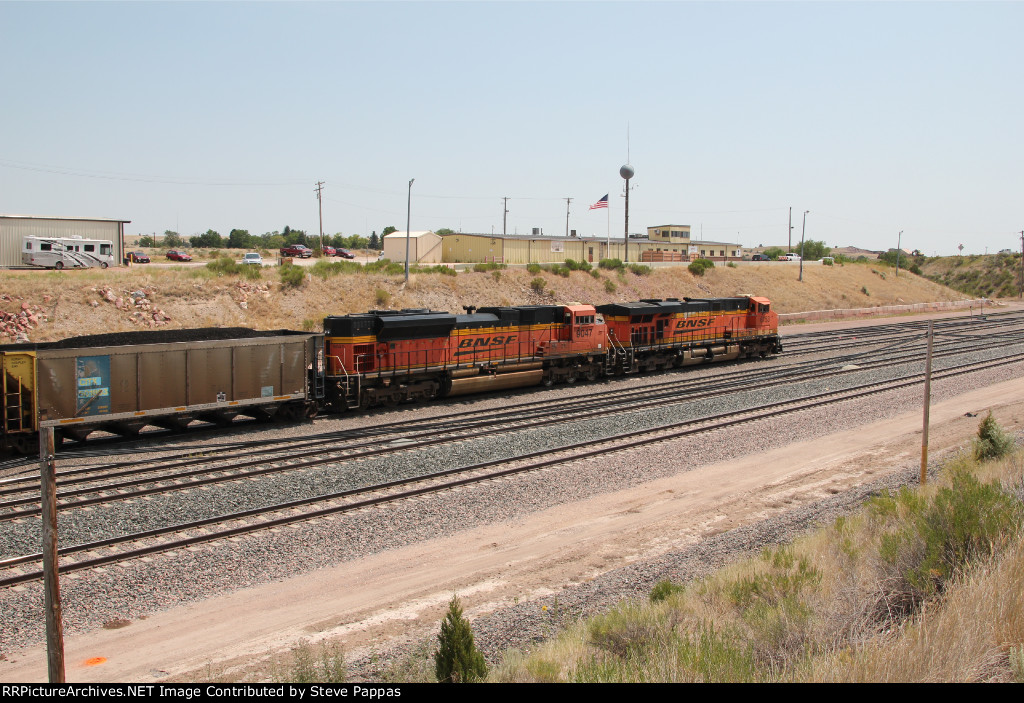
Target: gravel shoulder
x: 588, y: 552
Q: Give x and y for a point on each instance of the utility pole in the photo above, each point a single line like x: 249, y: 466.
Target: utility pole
x: 408, y: 219
x: 51, y: 573
x: 899, y: 239
x: 789, y: 247
x: 927, y: 403
x: 504, y: 218
x: 320, y: 203
x: 1022, y: 264
x: 567, y: 201
x: 802, y: 231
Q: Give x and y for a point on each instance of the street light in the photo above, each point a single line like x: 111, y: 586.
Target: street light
x: 408, y: 218
x: 802, y: 231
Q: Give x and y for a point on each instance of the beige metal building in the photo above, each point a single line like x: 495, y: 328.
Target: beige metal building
x: 424, y: 247
x: 537, y: 249
x: 14, y: 228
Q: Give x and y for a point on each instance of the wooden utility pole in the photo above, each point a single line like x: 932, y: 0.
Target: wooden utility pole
x: 927, y: 404
x: 504, y: 218
x: 320, y: 204
x: 51, y: 576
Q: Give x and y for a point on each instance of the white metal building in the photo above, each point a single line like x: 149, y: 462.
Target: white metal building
x: 14, y: 228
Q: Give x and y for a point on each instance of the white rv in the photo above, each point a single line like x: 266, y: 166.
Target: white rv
x: 66, y: 252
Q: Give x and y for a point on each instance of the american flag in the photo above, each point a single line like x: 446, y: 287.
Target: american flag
x: 603, y: 202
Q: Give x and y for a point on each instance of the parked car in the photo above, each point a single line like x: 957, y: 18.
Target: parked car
x: 138, y: 257
x: 176, y: 255
x: 760, y: 257
x: 253, y: 258
x: 329, y: 251
x: 346, y: 254
x: 790, y: 257
x: 300, y: 250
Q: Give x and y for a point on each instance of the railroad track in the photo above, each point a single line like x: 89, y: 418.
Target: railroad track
x: 79, y: 488
x: 23, y: 569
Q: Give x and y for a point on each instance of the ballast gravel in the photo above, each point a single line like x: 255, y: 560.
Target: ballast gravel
x: 138, y: 588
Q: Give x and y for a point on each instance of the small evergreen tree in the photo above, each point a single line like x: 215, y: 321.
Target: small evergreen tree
x: 457, y: 659
x: 992, y: 442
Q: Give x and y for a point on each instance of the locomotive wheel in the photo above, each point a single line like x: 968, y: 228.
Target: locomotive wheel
x: 571, y: 378
x: 590, y: 374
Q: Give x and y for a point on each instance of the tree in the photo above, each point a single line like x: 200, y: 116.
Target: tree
x: 209, y: 240
x: 457, y: 659
x: 173, y: 240
x: 294, y: 236
x: 374, y: 242
x: 388, y: 230
x: 773, y: 253
x: 240, y: 239
x: 814, y: 250
x: 444, y: 231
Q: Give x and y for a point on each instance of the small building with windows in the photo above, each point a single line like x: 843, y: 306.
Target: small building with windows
x: 15, y: 228
x: 673, y: 234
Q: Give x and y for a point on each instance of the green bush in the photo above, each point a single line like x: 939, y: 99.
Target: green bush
x: 595, y: 274
x: 558, y: 270
x: 223, y: 266
x: 533, y: 269
x: 992, y: 442
x: 381, y: 296
x: 574, y: 265
x: 538, y: 285
x: 640, y: 269
x: 310, y: 666
x: 457, y: 659
x: 489, y: 266
x: 610, y: 264
x: 609, y: 286
x: 292, y: 276
x: 926, y: 542
x: 439, y: 269
x: 699, y: 266
x: 663, y: 589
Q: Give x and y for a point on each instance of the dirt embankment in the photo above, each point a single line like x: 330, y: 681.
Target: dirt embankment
x: 43, y: 306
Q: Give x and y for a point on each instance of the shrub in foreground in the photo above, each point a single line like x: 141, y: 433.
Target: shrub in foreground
x: 457, y: 659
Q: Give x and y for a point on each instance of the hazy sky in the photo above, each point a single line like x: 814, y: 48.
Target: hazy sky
x: 875, y: 116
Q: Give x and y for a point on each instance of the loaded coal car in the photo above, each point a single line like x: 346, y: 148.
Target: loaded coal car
x: 387, y: 357
x: 655, y: 334
x: 124, y: 381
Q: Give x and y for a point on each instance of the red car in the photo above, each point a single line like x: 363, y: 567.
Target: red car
x: 300, y: 250
x: 346, y: 254
x: 329, y: 251
x: 138, y: 257
x: 175, y: 255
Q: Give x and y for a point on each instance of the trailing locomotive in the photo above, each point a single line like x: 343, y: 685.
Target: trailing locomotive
x: 123, y: 382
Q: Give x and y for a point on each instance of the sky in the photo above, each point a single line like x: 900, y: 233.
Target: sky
x: 875, y: 117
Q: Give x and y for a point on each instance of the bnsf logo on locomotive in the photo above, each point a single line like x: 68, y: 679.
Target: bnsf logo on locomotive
x: 487, y: 341
x: 694, y: 323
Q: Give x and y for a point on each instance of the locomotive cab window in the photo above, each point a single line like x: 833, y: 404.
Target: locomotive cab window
x: 762, y: 308
x: 585, y: 320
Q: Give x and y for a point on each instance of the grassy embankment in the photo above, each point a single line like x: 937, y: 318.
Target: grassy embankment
x: 920, y: 585
x: 77, y: 302
x: 991, y: 276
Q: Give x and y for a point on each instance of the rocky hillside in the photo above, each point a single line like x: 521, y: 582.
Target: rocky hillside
x: 44, y: 306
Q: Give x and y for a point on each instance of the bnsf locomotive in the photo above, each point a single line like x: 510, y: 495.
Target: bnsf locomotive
x: 123, y: 382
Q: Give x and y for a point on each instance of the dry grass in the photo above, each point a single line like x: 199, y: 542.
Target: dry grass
x: 831, y: 607
x: 196, y: 297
